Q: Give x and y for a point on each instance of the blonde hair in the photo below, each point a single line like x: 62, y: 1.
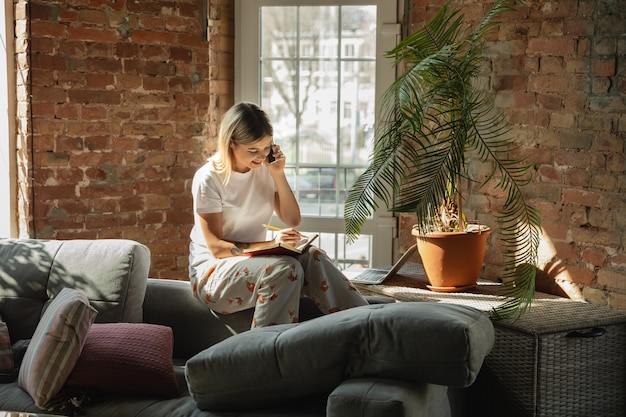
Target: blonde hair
x: 242, y: 124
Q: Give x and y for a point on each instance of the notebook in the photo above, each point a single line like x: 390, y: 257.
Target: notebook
x: 376, y: 276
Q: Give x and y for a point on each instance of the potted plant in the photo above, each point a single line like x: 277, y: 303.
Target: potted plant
x: 436, y: 121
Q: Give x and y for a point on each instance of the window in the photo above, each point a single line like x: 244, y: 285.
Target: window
x: 317, y: 69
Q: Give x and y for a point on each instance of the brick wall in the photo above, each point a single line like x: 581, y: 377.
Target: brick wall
x: 559, y: 72
x: 125, y: 98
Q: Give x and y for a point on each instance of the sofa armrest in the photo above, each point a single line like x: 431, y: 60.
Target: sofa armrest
x: 195, y: 327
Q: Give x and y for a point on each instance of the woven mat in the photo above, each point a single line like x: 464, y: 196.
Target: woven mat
x: 548, y: 313
x: 410, y: 284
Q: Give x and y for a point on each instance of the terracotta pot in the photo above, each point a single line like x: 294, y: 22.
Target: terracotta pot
x: 452, y: 260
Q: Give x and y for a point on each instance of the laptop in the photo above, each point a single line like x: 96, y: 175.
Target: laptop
x: 376, y: 276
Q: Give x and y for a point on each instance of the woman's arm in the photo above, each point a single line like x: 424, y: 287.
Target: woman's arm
x: 285, y: 203
x: 211, y: 226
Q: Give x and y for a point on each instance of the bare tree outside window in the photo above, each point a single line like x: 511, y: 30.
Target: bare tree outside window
x: 318, y: 83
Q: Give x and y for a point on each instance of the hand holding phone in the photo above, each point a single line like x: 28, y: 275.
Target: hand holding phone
x: 270, y: 157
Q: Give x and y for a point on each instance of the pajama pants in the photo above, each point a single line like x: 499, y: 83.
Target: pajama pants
x: 273, y: 285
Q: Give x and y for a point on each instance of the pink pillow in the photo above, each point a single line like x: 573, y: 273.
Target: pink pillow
x: 127, y: 358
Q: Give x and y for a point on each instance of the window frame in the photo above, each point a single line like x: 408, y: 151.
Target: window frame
x: 8, y: 139
x: 383, y: 226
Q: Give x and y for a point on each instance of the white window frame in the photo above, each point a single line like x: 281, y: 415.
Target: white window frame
x: 8, y: 156
x: 383, y: 227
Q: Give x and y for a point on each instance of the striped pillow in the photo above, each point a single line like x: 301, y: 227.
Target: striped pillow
x: 6, y: 354
x: 56, y: 345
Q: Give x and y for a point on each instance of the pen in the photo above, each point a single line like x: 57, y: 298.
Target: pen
x: 267, y: 226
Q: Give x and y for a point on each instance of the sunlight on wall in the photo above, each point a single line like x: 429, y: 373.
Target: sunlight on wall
x: 554, y: 271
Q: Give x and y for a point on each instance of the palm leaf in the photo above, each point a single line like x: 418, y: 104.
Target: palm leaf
x: 432, y: 117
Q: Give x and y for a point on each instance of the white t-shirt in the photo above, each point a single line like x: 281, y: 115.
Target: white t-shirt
x: 246, y: 203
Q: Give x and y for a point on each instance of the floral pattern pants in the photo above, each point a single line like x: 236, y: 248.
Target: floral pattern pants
x: 273, y: 285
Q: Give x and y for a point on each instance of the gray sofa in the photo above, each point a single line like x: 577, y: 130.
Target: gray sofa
x: 382, y: 359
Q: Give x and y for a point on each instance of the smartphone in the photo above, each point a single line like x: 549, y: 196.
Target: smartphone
x: 270, y: 156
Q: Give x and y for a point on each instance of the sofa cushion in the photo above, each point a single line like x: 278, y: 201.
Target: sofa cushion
x: 422, y: 342
x: 127, y: 358
x: 56, y: 345
x: 375, y: 397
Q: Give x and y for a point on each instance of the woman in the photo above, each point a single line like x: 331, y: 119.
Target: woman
x: 235, y: 194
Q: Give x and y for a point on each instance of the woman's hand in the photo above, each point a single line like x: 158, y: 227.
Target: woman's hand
x: 279, y: 159
x: 288, y: 236
x: 285, y: 204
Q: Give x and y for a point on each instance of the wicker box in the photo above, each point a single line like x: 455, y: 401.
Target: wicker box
x: 562, y: 358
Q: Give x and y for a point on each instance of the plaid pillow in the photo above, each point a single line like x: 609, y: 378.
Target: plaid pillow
x: 7, y: 366
x: 56, y: 345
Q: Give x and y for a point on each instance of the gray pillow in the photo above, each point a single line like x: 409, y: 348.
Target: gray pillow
x: 440, y: 343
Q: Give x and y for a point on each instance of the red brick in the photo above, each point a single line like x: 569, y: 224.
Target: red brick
x: 92, y: 34
x: 555, y: 231
x: 100, y: 81
x: 550, y: 101
x: 612, y: 279
x: 561, y: 120
x: 604, y: 67
x: 595, y: 236
x: 66, y: 143
x: 154, y: 53
x: 577, y: 27
x: 615, y: 163
x: 63, y: 112
x: 70, y: 175
x: 53, y: 192
x: 581, y: 197
x: 40, y: 11
x: 619, y: 261
x: 549, y: 84
x: 91, y: 16
x: 594, y: 256
x: 566, y: 251
x: 560, y: 8
x: 131, y: 203
x: 551, y: 46
x: 154, y: 83
x: 549, y: 174
x: 576, y: 274
x: 576, y: 177
x: 151, y: 217
x: 510, y: 82
x: 181, y: 54
x: 96, y: 65
x: 104, y: 205
x: 575, y: 215
x: 47, y: 62
x: 152, y: 37
x: 127, y: 50
x: 155, y: 23
x: 47, y: 30
x: 605, y: 182
x: 94, y: 96
x: 575, y: 140
x: 90, y: 112
x: 179, y: 24
x: 572, y: 159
